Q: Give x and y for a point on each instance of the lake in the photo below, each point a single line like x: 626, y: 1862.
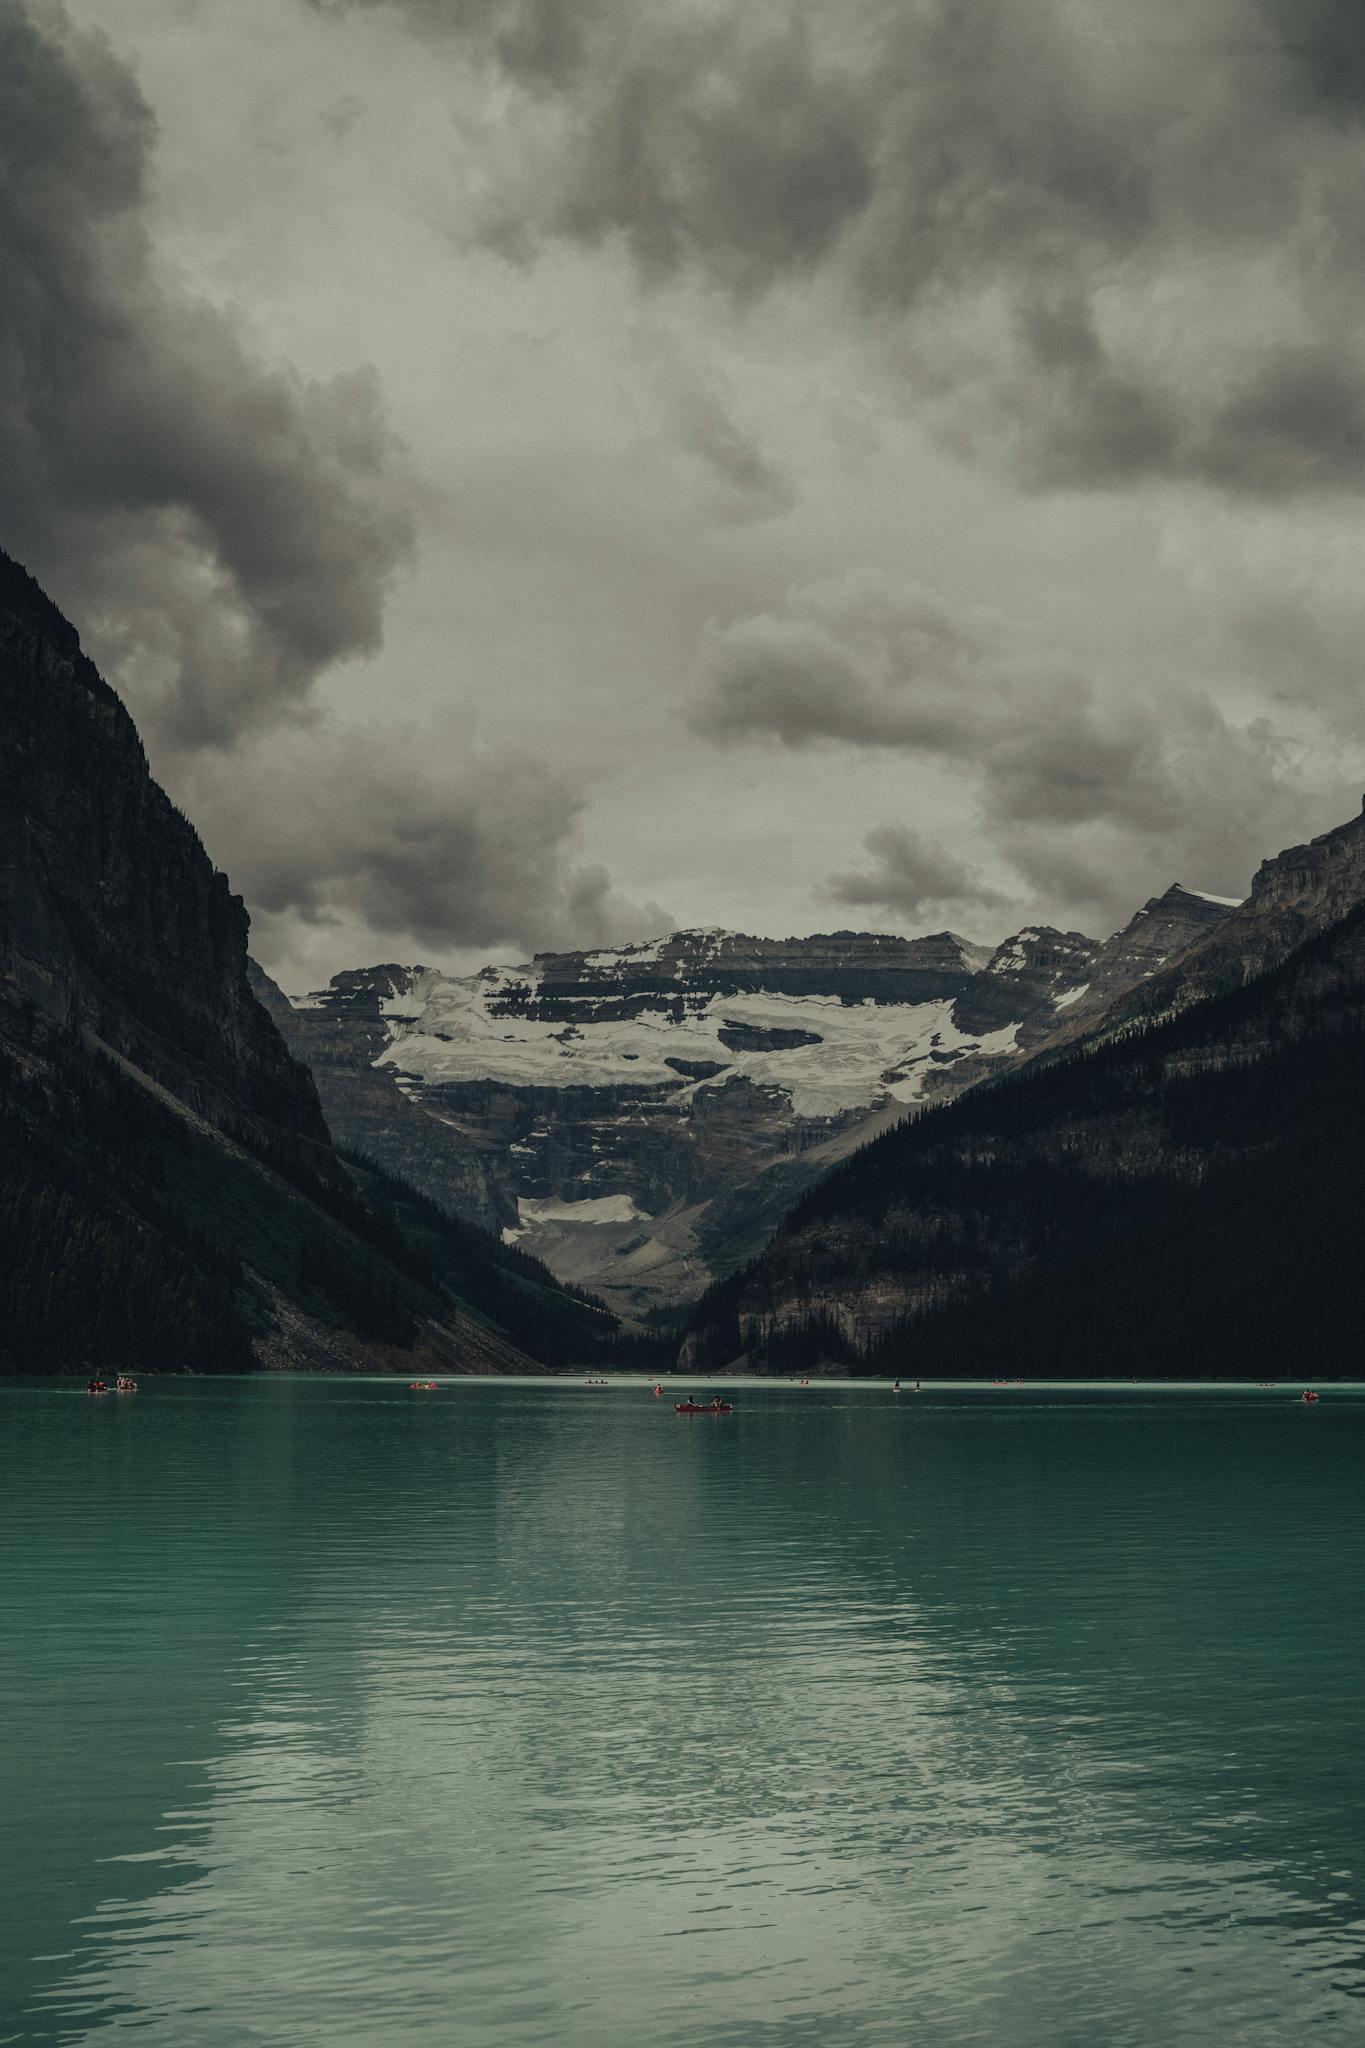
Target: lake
x: 527, y: 1712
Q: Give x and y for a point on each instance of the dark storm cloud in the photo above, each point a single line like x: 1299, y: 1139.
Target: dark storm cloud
x: 1298, y: 425
x: 1074, y: 789
x: 1241, y: 791
x: 730, y: 141
x: 477, y: 851
x: 1079, y: 766
x: 860, y: 661
x: 1325, y: 42
x: 791, y: 680
x: 914, y: 879
x: 862, y: 664
x: 1100, y: 244
x: 227, y: 522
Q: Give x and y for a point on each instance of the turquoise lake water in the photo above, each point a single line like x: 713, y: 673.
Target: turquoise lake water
x: 523, y: 1712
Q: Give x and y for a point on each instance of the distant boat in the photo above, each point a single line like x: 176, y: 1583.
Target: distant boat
x: 1309, y: 1395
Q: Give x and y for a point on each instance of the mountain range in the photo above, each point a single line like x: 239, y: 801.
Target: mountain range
x: 641, y: 1117
x: 850, y: 1150
x: 1174, y: 1189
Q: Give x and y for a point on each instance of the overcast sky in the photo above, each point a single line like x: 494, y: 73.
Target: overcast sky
x: 541, y: 471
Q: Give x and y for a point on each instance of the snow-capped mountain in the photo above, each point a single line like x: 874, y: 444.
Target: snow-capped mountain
x: 640, y: 1116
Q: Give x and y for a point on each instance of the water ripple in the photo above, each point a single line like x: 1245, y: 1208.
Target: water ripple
x: 524, y: 1714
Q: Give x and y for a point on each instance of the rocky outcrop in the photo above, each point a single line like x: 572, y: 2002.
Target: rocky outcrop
x: 1025, y: 978
x: 113, y: 921
x: 855, y: 967
x: 1293, y: 896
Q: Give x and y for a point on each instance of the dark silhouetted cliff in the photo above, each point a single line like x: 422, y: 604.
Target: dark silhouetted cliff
x: 169, y: 1194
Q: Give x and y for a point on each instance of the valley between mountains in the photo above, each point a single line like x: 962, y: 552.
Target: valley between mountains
x: 848, y: 1151
x: 641, y: 1118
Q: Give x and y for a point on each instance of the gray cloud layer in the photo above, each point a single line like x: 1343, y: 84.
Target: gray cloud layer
x: 862, y: 663
x: 697, y: 412
x: 223, y: 528
x: 375, y: 829
x: 1096, y: 245
x: 1090, y: 245
x: 913, y: 878
x: 1072, y: 788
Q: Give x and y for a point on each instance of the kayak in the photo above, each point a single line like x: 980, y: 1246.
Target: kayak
x: 703, y: 1408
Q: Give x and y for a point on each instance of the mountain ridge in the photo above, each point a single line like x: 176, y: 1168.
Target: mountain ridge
x: 640, y: 1116
x: 169, y: 1193
x: 1213, y: 1085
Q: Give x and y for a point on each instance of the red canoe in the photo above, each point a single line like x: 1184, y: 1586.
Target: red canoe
x: 703, y: 1408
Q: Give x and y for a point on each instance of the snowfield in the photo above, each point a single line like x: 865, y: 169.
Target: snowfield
x: 445, y: 1030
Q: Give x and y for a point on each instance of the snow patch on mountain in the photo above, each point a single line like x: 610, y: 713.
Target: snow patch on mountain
x: 445, y: 1030
x: 592, y: 1209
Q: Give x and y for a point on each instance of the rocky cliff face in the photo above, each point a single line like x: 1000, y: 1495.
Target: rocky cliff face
x: 853, y: 967
x: 169, y: 1195
x: 343, y: 1039
x: 639, y: 1117
x: 1025, y: 979
x: 1295, y: 895
x: 1077, y: 980
x: 113, y: 922
x: 1162, y: 932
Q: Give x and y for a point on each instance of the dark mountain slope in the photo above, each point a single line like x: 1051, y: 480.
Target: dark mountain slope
x: 368, y: 1112
x: 113, y: 921
x: 1296, y: 893
x: 169, y: 1195
x: 1184, y: 1199
x: 642, y: 1116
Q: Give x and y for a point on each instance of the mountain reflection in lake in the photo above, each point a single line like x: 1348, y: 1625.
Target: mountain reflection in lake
x: 528, y: 1712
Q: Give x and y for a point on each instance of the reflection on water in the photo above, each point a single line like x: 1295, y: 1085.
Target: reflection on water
x: 524, y: 1713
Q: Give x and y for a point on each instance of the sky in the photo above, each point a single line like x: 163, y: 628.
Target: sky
x: 543, y: 472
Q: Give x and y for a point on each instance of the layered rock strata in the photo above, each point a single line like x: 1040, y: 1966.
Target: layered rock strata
x: 639, y: 1117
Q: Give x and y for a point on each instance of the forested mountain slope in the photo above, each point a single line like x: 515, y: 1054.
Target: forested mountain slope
x: 1185, y: 1198
x: 169, y: 1194
x: 641, y: 1116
